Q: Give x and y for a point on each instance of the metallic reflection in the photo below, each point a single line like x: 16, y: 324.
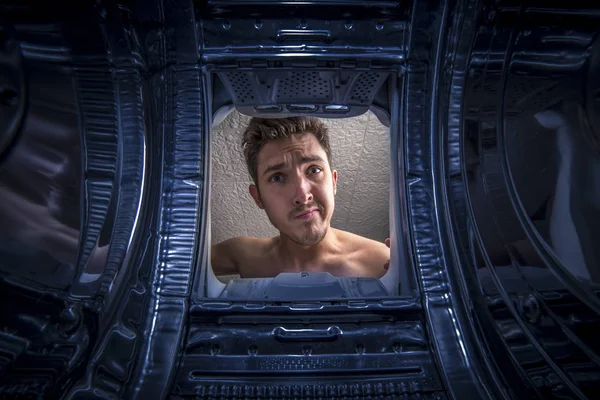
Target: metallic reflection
x: 555, y: 168
x: 40, y: 185
x: 532, y: 167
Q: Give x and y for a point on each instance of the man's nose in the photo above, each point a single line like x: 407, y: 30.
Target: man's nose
x: 303, y: 192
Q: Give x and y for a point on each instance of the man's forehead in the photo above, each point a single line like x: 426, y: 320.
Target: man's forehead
x: 290, y: 149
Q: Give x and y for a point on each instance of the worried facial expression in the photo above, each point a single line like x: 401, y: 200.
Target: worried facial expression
x: 296, y: 187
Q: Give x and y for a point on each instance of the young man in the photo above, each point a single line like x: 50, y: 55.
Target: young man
x: 289, y: 160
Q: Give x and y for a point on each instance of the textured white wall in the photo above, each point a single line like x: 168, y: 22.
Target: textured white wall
x: 360, y: 148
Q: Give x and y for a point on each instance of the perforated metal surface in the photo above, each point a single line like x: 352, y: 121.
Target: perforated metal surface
x: 241, y: 85
x: 365, y: 87
x: 274, y: 92
x: 303, y: 85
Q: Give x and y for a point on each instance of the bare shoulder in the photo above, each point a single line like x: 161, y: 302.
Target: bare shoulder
x: 370, y: 254
x: 240, y: 254
x: 244, y: 246
x: 246, y: 241
x: 231, y: 255
x: 361, y: 243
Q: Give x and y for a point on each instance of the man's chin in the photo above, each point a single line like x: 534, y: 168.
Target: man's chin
x: 309, y: 238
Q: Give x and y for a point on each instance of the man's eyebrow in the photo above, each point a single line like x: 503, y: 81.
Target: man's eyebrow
x: 314, y: 158
x: 273, y: 168
x: 303, y: 160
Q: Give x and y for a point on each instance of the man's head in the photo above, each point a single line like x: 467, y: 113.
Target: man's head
x: 289, y: 160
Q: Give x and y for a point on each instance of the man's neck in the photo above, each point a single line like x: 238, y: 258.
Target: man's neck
x: 301, y: 257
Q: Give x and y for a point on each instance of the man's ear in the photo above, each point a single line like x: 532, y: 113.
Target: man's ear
x: 335, y: 177
x: 256, y: 196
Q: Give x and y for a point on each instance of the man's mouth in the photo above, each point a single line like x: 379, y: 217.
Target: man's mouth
x: 307, y: 214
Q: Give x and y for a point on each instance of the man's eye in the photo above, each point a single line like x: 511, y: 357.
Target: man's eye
x: 314, y: 170
x: 276, y: 178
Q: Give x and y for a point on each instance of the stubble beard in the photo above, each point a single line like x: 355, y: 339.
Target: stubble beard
x: 312, y: 237
x: 309, y: 233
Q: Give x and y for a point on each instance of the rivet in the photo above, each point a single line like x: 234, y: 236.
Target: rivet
x: 253, y: 350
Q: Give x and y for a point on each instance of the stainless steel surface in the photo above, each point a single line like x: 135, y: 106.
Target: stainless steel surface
x: 103, y: 202
x: 41, y: 181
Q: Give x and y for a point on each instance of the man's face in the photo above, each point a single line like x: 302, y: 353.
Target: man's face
x: 297, y: 187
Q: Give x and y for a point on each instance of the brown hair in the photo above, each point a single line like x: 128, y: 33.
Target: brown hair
x: 262, y: 130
